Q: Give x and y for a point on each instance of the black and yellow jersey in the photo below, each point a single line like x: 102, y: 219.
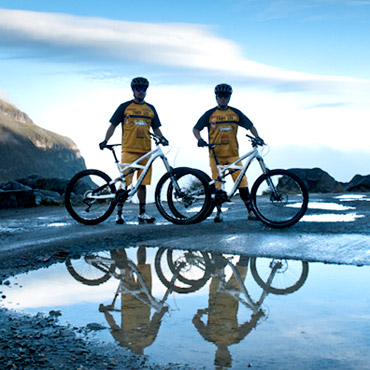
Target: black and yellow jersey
x: 222, y: 127
x: 136, y: 120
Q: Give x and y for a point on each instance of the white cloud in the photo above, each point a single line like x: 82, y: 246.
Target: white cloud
x: 179, y: 45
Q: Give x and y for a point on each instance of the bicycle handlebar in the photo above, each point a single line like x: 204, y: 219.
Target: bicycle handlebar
x: 158, y: 139
x: 110, y: 146
x: 256, y: 141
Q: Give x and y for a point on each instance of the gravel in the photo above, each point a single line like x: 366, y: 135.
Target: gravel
x: 40, y: 342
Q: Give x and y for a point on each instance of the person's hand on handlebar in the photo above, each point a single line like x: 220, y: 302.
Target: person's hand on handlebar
x: 202, y: 143
x: 102, y: 144
x: 164, y: 141
x: 259, y: 141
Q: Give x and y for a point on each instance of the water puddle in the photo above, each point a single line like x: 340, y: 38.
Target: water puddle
x: 208, y: 310
x: 332, y: 217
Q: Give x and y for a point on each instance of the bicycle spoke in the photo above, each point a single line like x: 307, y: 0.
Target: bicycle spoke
x: 187, y: 203
x: 89, y: 197
x: 279, y: 276
x: 280, y: 199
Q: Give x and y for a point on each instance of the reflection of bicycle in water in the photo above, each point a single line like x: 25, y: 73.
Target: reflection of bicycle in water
x: 138, y: 328
x: 194, y: 268
x: 186, y: 272
x: 227, y: 291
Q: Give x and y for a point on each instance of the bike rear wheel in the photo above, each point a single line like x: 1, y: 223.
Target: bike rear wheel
x: 179, y: 271
x: 93, y: 269
x: 89, y: 197
x: 279, y: 198
x: 191, y: 203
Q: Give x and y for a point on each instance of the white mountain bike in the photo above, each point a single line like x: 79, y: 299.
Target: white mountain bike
x: 279, y: 197
x: 92, y: 195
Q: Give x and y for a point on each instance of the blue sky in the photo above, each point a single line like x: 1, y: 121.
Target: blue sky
x: 299, y: 71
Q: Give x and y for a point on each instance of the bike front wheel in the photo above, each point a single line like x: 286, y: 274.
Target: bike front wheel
x: 184, y: 196
x: 182, y: 272
x: 279, y: 198
x: 90, y: 197
x: 279, y: 276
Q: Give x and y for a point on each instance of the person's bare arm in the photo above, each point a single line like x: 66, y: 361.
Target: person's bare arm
x: 196, y: 133
x: 108, y: 135
x: 110, y: 132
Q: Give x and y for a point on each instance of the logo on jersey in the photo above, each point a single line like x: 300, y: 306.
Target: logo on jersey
x: 225, y: 129
x: 140, y: 123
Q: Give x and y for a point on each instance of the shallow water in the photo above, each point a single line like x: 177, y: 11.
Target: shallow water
x: 210, y: 311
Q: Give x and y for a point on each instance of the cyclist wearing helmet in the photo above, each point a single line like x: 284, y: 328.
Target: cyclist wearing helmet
x: 222, y: 123
x: 136, y: 118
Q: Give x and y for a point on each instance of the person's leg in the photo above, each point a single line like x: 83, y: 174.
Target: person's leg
x: 125, y: 158
x: 119, y: 218
x: 245, y: 196
x: 214, y: 170
x: 244, y: 191
x: 141, y: 194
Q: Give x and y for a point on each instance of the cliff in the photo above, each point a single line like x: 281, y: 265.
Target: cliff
x: 26, y: 148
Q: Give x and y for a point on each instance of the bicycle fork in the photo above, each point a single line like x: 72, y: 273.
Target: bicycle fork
x: 172, y: 176
x: 265, y: 170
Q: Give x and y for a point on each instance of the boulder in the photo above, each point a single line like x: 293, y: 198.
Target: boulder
x: 33, y: 190
x: 36, y: 181
x: 17, y: 198
x: 318, y: 181
x: 359, y: 184
x: 13, y: 185
x: 48, y: 198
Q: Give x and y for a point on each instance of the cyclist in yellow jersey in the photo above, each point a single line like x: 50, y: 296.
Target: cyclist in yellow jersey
x: 136, y: 118
x: 222, y: 123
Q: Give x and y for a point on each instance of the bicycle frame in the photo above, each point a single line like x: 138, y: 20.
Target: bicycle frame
x: 126, y: 169
x: 142, y: 294
x: 222, y: 169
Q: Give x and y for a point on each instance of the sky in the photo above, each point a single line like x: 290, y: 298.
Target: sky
x: 299, y: 70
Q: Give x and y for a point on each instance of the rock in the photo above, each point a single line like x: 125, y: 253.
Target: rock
x: 48, y: 198
x: 36, y: 181
x: 17, y: 198
x: 318, y: 181
x: 359, y: 184
x: 13, y: 185
x: 95, y: 326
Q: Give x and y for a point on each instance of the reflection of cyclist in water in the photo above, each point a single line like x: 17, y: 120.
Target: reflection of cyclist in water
x: 138, y: 330
x: 222, y: 327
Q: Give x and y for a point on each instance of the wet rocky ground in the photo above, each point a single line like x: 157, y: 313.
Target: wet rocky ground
x: 39, y: 342
x: 37, y: 237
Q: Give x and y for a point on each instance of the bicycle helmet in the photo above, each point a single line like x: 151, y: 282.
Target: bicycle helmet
x: 223, y: 89
x: 139, y: 81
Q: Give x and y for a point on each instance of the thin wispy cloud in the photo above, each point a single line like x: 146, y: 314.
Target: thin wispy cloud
x: 178, y: 45
x: 329, y: 105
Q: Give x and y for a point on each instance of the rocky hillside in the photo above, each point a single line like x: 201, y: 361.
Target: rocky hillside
x: 27, y: 149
